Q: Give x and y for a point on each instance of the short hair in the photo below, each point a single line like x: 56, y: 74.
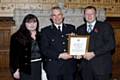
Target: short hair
x: 56, y: 7
x: 90, y: 7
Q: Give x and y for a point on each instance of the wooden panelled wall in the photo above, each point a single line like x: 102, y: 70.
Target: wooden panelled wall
x: 5, y: 32
x: 115, y: 21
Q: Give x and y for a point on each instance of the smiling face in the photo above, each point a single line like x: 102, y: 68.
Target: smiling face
x: 57, y: 16
x: 31, y: 25
x: 90, y: 15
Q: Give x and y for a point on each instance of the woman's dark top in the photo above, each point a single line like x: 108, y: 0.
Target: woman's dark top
x: 35, y: 50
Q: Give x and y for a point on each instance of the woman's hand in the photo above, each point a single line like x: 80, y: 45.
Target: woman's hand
x: 16, y: 75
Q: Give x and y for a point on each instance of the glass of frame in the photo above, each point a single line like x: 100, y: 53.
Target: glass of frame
x: 78, y: 45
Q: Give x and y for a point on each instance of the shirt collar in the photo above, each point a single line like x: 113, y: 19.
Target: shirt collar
x: 93, y: 24
x: 58, y: 25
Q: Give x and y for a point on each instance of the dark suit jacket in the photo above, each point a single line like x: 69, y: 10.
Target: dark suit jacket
x: 102, y: 42
x: 54, y: 42
x: 20, y: 54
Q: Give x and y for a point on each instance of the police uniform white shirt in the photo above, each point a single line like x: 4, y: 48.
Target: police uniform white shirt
x: 59, y: 25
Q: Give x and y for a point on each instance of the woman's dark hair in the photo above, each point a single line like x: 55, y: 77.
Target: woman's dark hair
x: 23, y: 32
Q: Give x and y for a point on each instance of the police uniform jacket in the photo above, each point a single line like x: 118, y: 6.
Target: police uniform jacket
x: 54, y: 42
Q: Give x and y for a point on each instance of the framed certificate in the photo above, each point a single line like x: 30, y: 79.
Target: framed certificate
x: 78, y: 45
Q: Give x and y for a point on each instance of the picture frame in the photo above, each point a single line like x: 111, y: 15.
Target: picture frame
x: 78, y: 45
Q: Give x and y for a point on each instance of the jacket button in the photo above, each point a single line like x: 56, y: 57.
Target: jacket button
x: 26, y: 49
x: 53, y: 40
x: 63, y: 43
x: 49, y: 59
x: 62, y: 36
x: 65, y: 50
x: 26, y: 63
x: 26, y: 56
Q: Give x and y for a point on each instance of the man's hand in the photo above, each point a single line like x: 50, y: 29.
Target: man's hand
x: 71, y: 34
x: 89, y: 55
x: 65, y: 56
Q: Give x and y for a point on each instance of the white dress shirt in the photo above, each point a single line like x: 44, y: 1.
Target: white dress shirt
x: 92, y: 25
x: 59, y: 25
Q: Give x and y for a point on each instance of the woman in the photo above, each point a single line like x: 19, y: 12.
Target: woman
x: 25, y: 55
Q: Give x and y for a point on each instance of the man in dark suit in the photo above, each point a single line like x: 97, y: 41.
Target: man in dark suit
x: 96, y: 64
x: 59, y: 65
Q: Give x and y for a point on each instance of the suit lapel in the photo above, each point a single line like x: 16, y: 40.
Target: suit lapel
x: 85, y: 29
x: 95, y: 29
x: 64, y: 29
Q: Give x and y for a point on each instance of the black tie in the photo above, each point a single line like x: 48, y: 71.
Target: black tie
x: 59, y: 28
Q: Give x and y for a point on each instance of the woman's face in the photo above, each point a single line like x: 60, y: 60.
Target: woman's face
x: 31, y: 25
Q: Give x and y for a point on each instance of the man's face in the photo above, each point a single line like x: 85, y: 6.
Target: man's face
x: 90, y: 15
x: 57, y: 16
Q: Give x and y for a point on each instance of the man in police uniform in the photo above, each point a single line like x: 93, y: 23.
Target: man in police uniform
x: 59, y: 65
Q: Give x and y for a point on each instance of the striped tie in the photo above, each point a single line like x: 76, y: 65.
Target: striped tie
x: 89, y: 28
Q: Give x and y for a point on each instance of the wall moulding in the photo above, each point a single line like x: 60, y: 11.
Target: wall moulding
x: 7, y: 6
x: 72, y: 16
